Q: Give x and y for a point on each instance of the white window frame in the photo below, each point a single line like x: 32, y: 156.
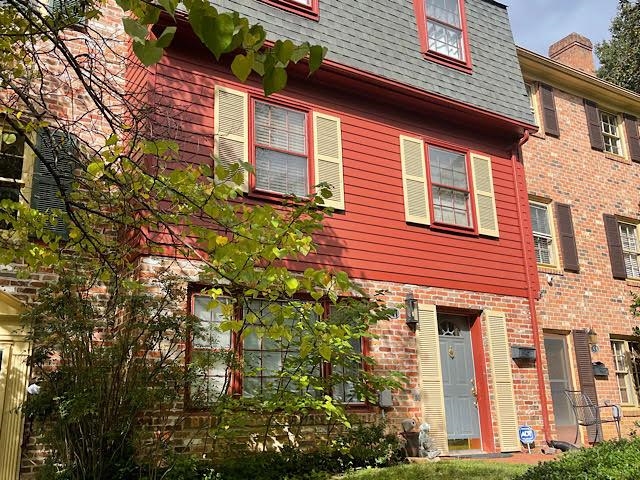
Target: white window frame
x: 552, y: 237
x: 626, y: 375
x: 610, y: 128
x: 632, y: 267
x: 532, y: 92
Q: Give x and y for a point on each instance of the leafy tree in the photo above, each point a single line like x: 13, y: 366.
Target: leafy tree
x: 109, y: 343
x: 620, y: 56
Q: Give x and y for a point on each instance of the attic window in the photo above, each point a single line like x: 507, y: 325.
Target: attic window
x: 442, y: 30
x: 305, y: 8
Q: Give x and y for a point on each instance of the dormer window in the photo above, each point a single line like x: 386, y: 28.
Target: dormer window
x: 442, y: 30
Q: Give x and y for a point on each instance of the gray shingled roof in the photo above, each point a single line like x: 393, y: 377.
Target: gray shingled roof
x: 380, y: 36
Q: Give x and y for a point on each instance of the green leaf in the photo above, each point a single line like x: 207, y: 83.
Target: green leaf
x: 300, y: 52
x: 169, y: 6
x: 241, y: 67
x: 284, y: 51
x: 292, y: 284
x: 134, y: 29
x: 125, y: 5
x: 316, y: 55
x: 218, y: 34
x: 147, y: 52
x: 274, y: 80
x: 325, y: 352
x: 164, y: 40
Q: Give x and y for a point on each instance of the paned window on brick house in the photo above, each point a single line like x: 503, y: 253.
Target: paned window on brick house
x: 610, y: 133
x: 542, y: 233
x: 630, y: 248
x: 12, y: 162
x: 268, y: 365
x: 445, y: 33
x: 450, y: 187
x: 626, y: 360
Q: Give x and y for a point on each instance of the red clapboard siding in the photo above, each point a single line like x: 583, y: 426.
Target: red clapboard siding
x: 370, y: 239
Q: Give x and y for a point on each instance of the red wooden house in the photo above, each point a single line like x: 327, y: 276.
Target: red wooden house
x: 415, y: 120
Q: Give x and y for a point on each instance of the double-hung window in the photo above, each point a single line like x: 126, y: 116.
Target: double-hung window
x: 610, y: 133
x: 12, y: 166
x: 306, y: 8
x: 450, y: 187
x: 542, y: 233
x: 630, y: 248
x: 445, y: 34
x: 626, y: 360
x: 281, y: 149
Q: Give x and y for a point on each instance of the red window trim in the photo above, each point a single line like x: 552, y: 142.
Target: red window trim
x: 235, y: 382
x: 421, y: 19
x: 449, y: 227
x: 311, y: 12
x: 291, y: 105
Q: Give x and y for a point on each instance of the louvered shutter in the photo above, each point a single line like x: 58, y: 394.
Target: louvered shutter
x: 503, y: 394
x: 567, y: 238
x: 593, y: 125
x: 631, y: 129
x: 549, y: 111
x: 58, y: 150
x: 431, y: 387
x: 231, y: 129
x: 414, y: 180
x: 585, y: 375
x: 484, y: 195
x: 614, y: 243
x: 327, y: 142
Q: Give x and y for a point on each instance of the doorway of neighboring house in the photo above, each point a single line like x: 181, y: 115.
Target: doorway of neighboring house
x: 560, y: 380
x: 459, y: 382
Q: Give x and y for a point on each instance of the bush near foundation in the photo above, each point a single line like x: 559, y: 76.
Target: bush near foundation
x: 613, y: 460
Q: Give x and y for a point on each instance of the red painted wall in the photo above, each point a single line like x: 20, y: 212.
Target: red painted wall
x: 370, y: 239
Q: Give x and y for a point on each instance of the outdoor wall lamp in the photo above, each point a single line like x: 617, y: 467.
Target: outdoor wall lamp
x: 411, y: 305
x: 593, y: 340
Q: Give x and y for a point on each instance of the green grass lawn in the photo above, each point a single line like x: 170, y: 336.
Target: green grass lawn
x: 450, y: 469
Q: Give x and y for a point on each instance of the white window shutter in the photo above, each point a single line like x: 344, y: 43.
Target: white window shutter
x: 503, y: 394
x: 484, y: 195
x: 414, y: 180
x: 231, y: 129
x: 327, y: 148
x: 431, y: 387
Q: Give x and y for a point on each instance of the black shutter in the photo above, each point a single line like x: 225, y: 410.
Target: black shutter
x: 593, y: 124
x: 615, y: 246
x: 567, y: 238
x: 58, y: 151
x: 585, y: 376
x: 549, y: 116
x: 631, y: 129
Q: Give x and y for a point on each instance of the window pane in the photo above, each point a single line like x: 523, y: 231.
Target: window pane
x: 446, y: 11
x: 281, y: 172
x: 11, y: 158
x: 280, y: 128
x: 451, y: 206
x: 445, y: 40
x: 448, y: 168
x: 210, y: 335
x: 629, y: 239
x: 344, y: 391
x: 539, y: 219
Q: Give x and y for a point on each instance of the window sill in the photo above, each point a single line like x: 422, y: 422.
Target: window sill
x: 464, y: 67
x: 550, y: 269
x: 445, y: 228
x: 312, y: 12
x: 270, y: 197
x: 617, y: 158
x: 633, y: 282
x: 630, y: 411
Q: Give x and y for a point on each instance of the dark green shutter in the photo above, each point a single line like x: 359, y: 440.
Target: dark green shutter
x: 585, y: 376
x: 567, y: 238
x: 58, y: 152
x: 616, y: 254
x: 549, y: 115
x: 631, y: 129
x: 593, y: 124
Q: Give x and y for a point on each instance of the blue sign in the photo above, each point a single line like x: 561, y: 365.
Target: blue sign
x: 526, y: 434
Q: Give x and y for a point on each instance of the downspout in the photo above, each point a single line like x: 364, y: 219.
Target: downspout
x: 531, y: 296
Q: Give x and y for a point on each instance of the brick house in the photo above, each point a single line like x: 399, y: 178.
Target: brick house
x: 583, y: 178
x: 415, y: 120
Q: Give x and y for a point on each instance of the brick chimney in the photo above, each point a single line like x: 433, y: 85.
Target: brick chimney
x: 575, y: 51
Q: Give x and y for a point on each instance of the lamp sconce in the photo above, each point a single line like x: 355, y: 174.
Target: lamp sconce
x: 411, y: 305
x: 593, y: 340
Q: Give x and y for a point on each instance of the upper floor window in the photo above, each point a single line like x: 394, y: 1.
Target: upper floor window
x: 306, y: 8
x: 630, y: 249
x: 444, y: 28
x: 281, y: 152
x: 450, y: 187
x: 610, y: 133
x: 542, y: 233
x: 532, y: 101
x: 13, y: 173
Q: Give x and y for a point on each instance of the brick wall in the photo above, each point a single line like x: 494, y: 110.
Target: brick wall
x: 567, y: 170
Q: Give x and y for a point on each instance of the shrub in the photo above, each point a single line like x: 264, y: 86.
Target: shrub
x: 613, y: 460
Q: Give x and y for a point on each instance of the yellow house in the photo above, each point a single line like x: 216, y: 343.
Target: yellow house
x: 14, y: 349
